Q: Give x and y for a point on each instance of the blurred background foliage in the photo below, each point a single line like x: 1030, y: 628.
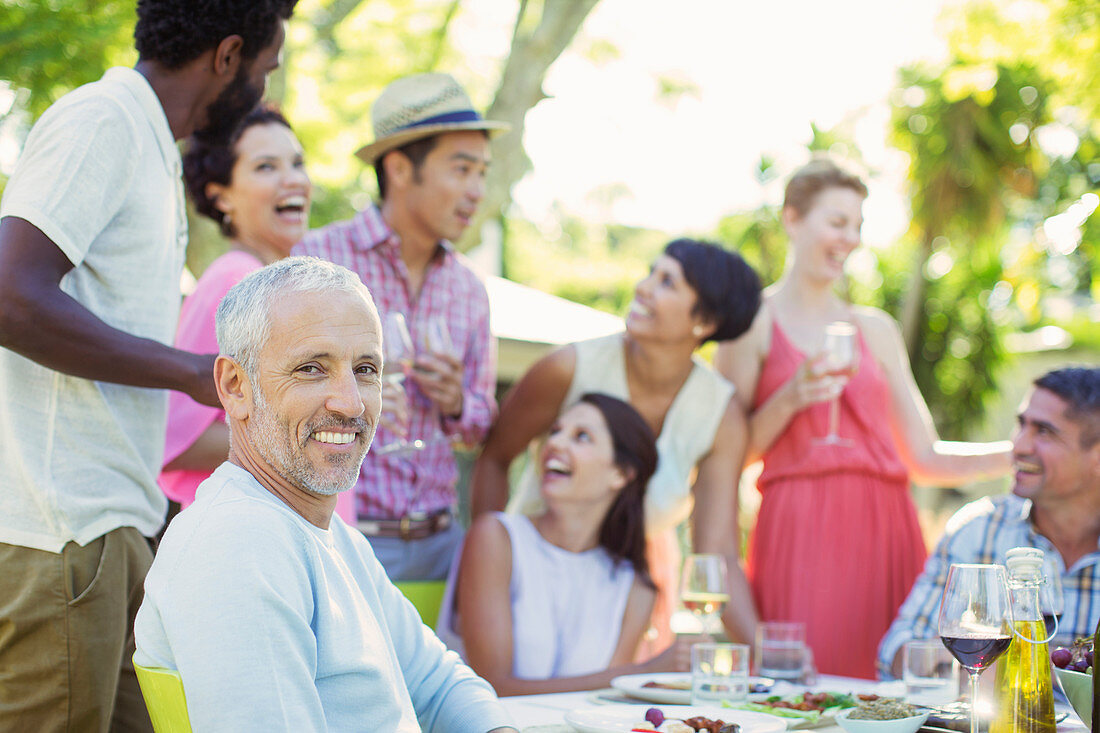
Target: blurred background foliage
x: 1002, y: 140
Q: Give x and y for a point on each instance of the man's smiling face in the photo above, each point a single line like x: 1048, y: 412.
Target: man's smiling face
x: 317, y: 392
x: 1050, y: 462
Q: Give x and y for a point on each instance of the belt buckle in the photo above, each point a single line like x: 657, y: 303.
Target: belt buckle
x: 404, y: 527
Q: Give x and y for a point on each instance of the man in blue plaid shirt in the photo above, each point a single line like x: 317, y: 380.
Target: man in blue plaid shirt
x: 1054, y: 506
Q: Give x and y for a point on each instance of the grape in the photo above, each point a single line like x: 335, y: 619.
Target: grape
x: 1080, y: 665
x: 1061, y: 657
x: 1088, y: 657
x: 655, y: 716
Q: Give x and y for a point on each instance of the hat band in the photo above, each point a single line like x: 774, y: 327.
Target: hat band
x: 466, y: 115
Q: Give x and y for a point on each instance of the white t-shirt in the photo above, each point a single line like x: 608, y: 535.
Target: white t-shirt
x: 100, y: 176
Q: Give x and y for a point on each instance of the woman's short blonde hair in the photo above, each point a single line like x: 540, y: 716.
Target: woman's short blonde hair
x: 813, y: 178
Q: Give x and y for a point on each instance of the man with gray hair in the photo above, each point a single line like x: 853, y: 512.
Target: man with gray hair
x: 275, y: 613
x: 1054, y: 506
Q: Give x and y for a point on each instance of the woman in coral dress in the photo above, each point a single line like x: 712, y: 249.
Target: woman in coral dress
x: 836, y: 544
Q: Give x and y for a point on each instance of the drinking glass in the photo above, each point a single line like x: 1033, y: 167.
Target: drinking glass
x: 975, y: 621
x: 397, y: 350
x: 437, y: 337
x: 841, y: 359
x: 704, y: 589
x: 719, y: 673
x: 781, y: 651
x: 930, y: 672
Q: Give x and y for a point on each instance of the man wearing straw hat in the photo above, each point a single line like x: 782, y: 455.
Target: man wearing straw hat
x: 430, y: 153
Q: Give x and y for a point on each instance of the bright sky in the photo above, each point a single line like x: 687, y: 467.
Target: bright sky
x: 763, y: 70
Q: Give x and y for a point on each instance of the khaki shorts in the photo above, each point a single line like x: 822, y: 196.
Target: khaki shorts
x: 67, y: 635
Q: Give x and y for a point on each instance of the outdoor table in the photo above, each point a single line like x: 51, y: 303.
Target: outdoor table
x: 546, y: 713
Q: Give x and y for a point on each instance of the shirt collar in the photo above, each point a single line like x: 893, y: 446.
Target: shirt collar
x: 379, y: 234
x: 1026, y: 508
x: 147, y: 99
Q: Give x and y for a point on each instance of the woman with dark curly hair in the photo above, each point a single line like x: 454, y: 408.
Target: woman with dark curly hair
x: 559, y: 601
x: 257, y: 190
x: 696, y: 292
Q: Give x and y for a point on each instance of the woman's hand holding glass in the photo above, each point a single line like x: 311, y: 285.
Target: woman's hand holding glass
x: 838, y: 362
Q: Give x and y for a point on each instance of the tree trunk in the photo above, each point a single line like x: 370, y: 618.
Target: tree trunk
x: 532, y: 53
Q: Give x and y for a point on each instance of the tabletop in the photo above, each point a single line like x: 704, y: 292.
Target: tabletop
x: 546, y: 713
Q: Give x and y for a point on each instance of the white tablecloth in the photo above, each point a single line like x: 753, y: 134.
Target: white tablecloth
x: 546, y: 713
x: 534, y: 711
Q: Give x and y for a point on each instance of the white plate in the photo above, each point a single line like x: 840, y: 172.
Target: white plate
x: 634, y: 686
x: 622, y: 719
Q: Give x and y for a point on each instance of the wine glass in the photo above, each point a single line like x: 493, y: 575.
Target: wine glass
x: 975, y: 621
x: 704, y: 589
x: 841, y: 359
x: 397, y: 350
x: 437, y: 339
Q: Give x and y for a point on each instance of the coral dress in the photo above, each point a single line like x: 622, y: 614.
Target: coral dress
x: 837, y: 544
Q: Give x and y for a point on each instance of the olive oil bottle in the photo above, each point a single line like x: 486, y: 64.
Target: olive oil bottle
x: 1025, y: 692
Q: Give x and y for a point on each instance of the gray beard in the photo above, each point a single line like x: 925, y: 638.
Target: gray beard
x: 271, y: 441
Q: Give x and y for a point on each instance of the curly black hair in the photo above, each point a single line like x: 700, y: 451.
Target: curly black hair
x: 173, y: 32
x: 727, y: 289
x: 205, y: 163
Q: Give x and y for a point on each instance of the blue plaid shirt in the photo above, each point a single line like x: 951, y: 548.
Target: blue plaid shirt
x: 982, y: 532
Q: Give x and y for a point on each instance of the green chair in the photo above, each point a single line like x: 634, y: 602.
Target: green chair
x: 163, y: 693
x: 426, y: 595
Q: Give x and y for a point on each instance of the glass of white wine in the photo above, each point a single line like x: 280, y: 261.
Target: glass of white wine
x: 704, y: 589
x: 397, y: 350
x: 841, y: 359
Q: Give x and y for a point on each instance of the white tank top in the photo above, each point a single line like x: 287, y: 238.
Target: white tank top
x: 567, y: 607
x: 687, y: 433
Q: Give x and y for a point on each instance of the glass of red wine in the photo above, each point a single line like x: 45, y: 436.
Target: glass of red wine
x: 976, y: 621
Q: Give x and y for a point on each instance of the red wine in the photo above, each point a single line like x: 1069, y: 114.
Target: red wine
x: 977, y: 652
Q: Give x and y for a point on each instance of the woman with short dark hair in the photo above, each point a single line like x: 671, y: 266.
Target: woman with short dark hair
x: 695, y: 292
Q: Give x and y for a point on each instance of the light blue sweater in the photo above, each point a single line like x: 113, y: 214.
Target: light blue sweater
x: 277, y: 625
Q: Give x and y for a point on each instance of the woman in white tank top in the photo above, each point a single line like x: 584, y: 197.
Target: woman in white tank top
x: 696, y: 292
x: 559, y: 601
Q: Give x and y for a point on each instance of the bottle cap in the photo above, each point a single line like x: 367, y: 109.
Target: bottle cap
x: 1024, y: 561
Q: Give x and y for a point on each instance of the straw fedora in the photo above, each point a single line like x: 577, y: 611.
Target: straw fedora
x: 420, y: 106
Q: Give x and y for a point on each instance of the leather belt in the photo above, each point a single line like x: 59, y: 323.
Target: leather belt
x: 414, y: 526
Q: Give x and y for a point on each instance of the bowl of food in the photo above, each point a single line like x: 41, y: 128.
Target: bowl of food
x: 1073, y: 668
x: 884, y: 715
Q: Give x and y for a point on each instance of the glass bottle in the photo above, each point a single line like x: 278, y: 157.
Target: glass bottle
x: 1025, y: 693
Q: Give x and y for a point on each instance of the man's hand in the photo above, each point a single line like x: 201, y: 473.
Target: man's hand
x: 205, y: 392
x: 439, y: 376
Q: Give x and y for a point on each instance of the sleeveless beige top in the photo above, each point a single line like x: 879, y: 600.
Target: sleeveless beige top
x: 686, y: 436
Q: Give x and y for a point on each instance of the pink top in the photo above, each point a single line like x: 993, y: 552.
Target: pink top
x: 187, y: 419
x: 863, y: 420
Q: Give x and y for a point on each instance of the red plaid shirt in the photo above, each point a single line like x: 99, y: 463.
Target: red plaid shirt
x: 391, y: 486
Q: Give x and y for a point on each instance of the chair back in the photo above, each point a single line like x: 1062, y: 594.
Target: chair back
x: 426, y: 595
x: 163, y: 693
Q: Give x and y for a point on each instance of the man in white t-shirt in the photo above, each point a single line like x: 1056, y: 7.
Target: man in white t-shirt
x: 92, y: 238
x: 276, y: 613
